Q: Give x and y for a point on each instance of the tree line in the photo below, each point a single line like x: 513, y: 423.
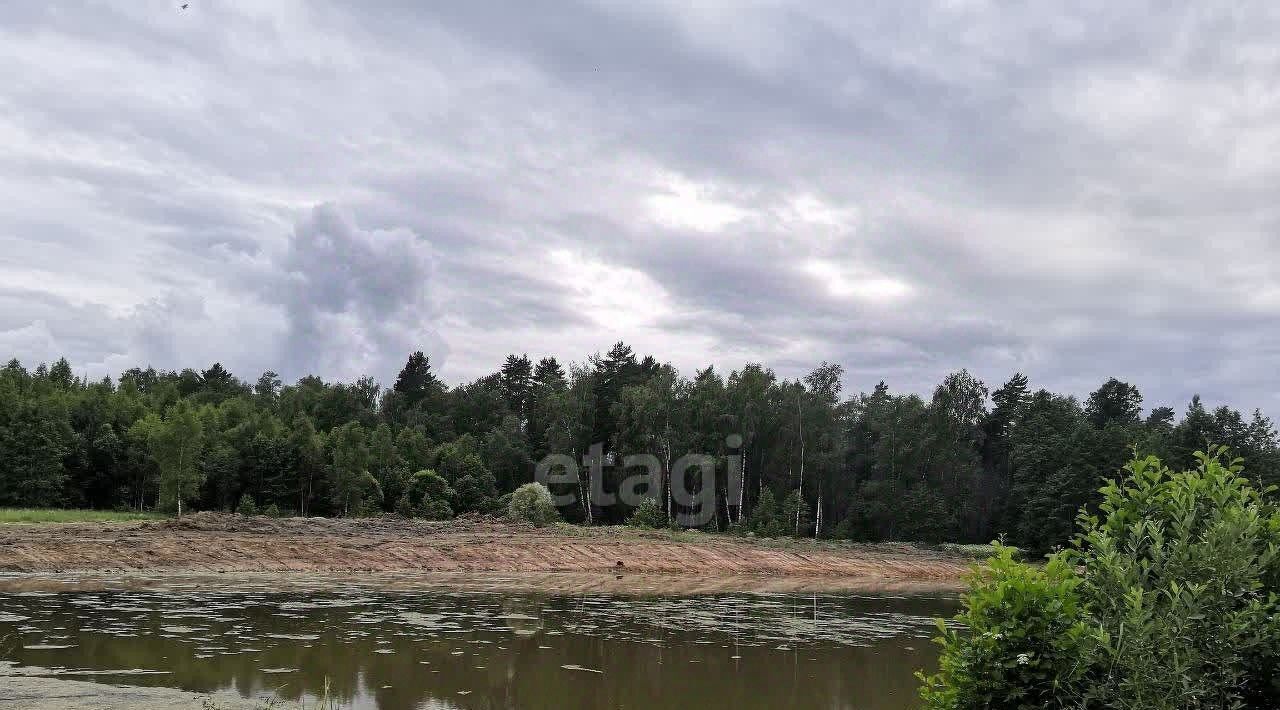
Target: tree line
x: 965, y: 464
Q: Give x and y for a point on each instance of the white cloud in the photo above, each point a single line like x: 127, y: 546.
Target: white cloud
x: 684, y: 204
x: 854, y: 283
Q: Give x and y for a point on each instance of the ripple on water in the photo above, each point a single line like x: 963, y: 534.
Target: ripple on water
x: 455, y: 639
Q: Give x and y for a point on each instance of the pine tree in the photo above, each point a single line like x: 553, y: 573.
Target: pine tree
x: 416, y: 381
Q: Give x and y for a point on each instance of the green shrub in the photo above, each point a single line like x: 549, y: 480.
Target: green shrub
x: 1167, y: 598
x: 434, y: 509
x: 502, y: 502
x: 432, y: 493
x: 272, y: 511
x: 795, y: 519
x: 648, y: 515
x: 1181, y: 572
x: 404, y: 507
x: 1024, y: 635
x: 532, y: 503
x: 247, y: 506
x: 766, y: 520
x: 370, y: 508
x: 428, y: 483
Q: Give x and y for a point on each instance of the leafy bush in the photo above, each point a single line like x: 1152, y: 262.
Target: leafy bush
x: 503, y: 501
x: 432, y: 493
x: 434, y: 509
x: 1168, y: 598
x: 369, y: 508
x: 648, y: 515
x: 795, y: 519
x: 765, y: 519
x: 1181, y: 572
x: 532, y: 503
x: 272, y: 511
x: 247, y: 506
x: 1025, y: 633
x: 430, y: 484
x: 404, y: 507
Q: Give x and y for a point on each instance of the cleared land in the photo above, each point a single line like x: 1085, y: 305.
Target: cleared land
x: 221, y: 543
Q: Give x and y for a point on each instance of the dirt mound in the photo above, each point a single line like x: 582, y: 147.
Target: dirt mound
x: 214, y: 542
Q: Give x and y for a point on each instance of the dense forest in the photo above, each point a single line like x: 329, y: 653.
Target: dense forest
x: 966, y: 464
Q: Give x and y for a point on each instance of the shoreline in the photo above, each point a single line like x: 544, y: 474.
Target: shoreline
x: 476, y: 552
x: 548, y: 583
x: 35, y: 688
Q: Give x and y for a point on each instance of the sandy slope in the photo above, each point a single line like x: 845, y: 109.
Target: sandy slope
x: 208, y: 542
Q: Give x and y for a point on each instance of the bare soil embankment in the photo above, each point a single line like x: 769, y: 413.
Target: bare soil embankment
x: 220, y: 543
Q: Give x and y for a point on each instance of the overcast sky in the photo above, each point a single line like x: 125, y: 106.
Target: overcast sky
x: 904, y: 188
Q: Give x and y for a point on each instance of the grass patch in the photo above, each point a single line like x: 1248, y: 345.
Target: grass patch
x: 56, y: 515
x: 977, y: 552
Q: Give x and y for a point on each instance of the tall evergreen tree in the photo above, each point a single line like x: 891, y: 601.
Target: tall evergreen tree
x: 1114, y: 402
x: 516, y: 383
x: 416, y: 381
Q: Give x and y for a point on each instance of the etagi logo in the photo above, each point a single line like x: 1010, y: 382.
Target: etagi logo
x: 690, y: 482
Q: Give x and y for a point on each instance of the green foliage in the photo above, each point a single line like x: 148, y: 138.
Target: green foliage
x: 247, y: 506
x: 35, y: 437
x: 369, y: 508
x: 796, y: 516
x: 176, y: 443
x: 1168, y: 598
x: 350, y: 479
x: 416, y: 381
x: 925, y: 516
x: 532, y: 503
x: 460, y: 464
x: 1182, y: 570
x: 765, y: 519
x: 404, y: 506
x: 1024, y: 634
x: 53, y: 515
x: 648, y: 515
x: 428, y: 483
x: 953, y: 465
x: 432, y: 494
x: 273, y: 511
x: 434, y: 509
x: 768, y: 519
x: 978, y: 552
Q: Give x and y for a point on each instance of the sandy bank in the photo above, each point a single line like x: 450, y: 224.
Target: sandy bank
x: 218, y: 543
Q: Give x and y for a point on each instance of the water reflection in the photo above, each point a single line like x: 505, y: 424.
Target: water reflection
x: 450, y: 649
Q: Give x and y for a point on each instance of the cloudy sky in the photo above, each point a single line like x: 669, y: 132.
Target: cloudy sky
x: 904, y: 188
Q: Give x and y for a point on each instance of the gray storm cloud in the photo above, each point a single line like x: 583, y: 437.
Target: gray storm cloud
x: 373, y: 287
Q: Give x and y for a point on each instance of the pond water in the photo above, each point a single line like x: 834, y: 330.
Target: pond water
x: 442, y: 648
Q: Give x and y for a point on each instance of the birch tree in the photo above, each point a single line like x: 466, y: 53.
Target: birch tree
x: 176, y: 443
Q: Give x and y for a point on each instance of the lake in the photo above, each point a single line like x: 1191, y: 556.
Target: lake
x: 442, y: 647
